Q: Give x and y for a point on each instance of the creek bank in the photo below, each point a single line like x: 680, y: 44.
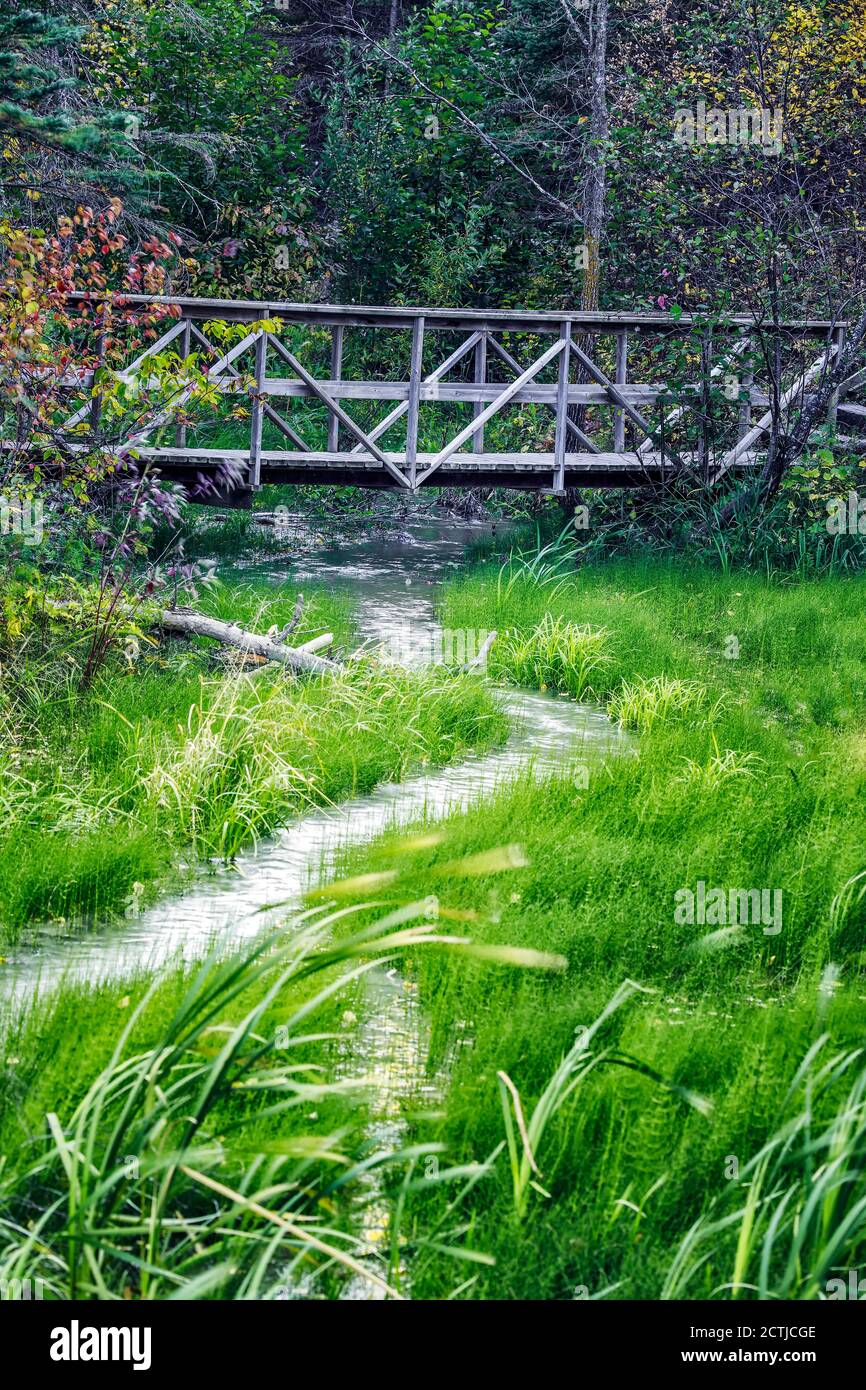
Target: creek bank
x: 393, y: 586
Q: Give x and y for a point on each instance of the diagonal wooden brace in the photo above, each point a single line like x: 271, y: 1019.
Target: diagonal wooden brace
x: 618, y: 398
x: 853, y: 383
x: 501, y: 400
x: 735, y: 352
x: 505, y: 356
x: 337, y: 410
x: 169, y: 410
x: 268, y: 410
x: 162, y: 342
x: 436, y: 375
x: 802, y: 384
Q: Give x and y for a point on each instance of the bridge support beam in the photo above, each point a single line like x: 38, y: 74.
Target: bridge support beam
x: 414, y: 402
x: 561, y: 410
x: 184, y: 352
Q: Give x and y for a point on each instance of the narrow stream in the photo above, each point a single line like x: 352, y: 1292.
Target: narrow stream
x: 392, y: 581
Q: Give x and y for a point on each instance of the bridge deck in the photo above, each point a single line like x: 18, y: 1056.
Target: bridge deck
x: 529, y: 472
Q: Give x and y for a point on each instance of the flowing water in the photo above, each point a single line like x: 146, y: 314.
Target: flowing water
x: 392, y: 580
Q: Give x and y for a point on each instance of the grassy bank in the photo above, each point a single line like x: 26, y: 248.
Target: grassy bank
x: 204, y: 1134
x: 751, y: 774
x: 174, y: 752
x: 677, y: 1109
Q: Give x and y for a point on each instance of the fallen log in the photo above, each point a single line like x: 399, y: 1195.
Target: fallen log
x: 297, y: 614
x: 199, y: 625
x: 316, y: 644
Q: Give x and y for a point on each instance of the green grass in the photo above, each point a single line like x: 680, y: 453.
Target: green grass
x: 750, y: 773
x: 254, y: 602
x: 103, y: 792
x: 677, y: 1112
x: 642, y: 704
x: 554, y: 652
x: 201, y: 1136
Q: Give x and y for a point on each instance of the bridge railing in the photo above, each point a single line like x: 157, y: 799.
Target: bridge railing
x: 578, y: 362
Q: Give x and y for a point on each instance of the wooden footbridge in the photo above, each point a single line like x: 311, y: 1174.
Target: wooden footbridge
x: 589, y: 425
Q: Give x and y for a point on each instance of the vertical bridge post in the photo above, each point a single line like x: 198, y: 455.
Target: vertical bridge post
x: 620, y: 377
x: 705, y: 442
x: 839, y: 343
x: 183, y: 352
x: 258, y: 412
x: 96, y: 398
x: 336, y: 375
x: 745, y: 393
x: 562, y: 409
x: 480, y: 380
x: 414, y: 399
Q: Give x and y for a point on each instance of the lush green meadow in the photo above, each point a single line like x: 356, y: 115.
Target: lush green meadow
x: 750, y: 773
x: 666, y: 1109
x: 175, y: 752
x: 190, y: 1135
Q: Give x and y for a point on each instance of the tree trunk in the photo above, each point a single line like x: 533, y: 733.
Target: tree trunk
x: 599, y: 132
x: 594, y: 196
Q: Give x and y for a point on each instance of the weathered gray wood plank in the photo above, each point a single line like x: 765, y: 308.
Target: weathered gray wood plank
x: 400, y: 316
x: 480, y: 365
x: 257, y: 413
x: 541, y: 462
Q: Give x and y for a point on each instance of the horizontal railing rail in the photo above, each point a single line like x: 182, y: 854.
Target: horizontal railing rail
x: 503, y: 320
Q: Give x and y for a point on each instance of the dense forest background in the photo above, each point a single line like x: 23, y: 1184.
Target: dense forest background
x: 695, y: 161
x: 520, y: 153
